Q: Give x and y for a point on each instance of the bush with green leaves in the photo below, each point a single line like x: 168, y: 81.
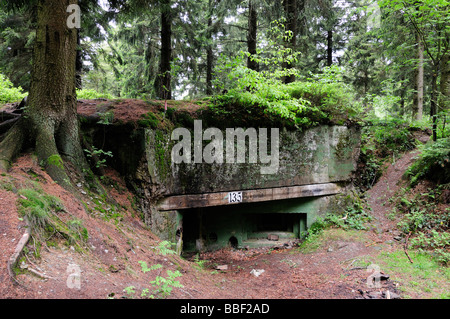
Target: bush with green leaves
x: 381, y: 140
x: 422, y: 218
x: 9, y: 93
x: 319, y: 99
x: 161, y: 287
x: 433, y: 163
x: 91, y: 94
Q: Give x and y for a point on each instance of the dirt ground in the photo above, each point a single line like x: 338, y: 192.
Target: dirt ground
x: 115, y: 247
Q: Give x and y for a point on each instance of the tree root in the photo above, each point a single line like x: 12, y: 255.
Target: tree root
x: 12, y: 262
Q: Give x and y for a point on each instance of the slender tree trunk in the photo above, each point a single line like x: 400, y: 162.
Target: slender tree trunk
x: 420, y: 80
x: 51, y: 116
x: 330, y: 48
x: 445, y: 82
x: 291, y: 10
x: 163, y: 81
x: 209, y: 57
x: 252, y: 35
x: 433, y: 108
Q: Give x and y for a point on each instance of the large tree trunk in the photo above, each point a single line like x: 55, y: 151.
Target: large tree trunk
x: 51, y: 116
x: 252, y: 36
x: 164, y: 79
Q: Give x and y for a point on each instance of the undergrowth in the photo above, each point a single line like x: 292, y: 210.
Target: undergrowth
x: 382, y: 141
x: 354, y: 217
x: 425, y: 220
x: 9, y: 93
x: 48, y: 218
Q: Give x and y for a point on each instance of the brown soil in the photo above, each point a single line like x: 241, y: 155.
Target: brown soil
x: 132, y: 110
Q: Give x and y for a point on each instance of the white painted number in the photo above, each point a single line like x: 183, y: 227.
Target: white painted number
x: 235, y: 197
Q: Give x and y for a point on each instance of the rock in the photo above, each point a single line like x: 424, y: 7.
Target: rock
x: 273, y: 237
x: 380, y: 276
x: 390, y: 295
x: 257, y: 272
x: 222, y: 267
x: 375, y: 295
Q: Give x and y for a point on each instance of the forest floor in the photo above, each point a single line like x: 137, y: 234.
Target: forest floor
x: 335, y: 266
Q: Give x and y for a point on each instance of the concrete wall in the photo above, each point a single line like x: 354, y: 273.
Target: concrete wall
x: 324, y: 154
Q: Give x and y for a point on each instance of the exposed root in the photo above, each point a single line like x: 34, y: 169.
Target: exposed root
x: 12, y: 262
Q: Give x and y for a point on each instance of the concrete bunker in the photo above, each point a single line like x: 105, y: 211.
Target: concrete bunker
x: 189, y: 203
x: 264, y: 217
x: 246, y: 225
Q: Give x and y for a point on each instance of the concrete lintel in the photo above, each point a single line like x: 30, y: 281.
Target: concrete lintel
x: 247, y: 196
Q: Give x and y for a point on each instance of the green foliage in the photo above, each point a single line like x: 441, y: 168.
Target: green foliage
x: 422, y: 218
x: 100, y: 154
x: 77, y: 230
x: 91, y: 94
x: 382, y: 140
x: 164, y: 248
x: 161, y: 287
x: 433, y: 163
x: 8, y: 93
x: 318, y: 100
x: 149, y: 120
x: 356, y: 217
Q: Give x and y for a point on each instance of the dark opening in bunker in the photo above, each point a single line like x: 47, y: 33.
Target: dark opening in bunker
x: 243, y: 225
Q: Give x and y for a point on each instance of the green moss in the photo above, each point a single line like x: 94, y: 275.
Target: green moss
x: 150, y: 120
x: 55, y: 160
x: 162, y: 155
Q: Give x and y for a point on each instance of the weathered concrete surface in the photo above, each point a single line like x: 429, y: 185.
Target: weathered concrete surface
x: 247, y: 196
x: 325, y: 154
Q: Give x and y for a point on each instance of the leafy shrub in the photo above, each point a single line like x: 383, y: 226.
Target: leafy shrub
x: 321, y: 99
x: 381, y: 140
x: 433, y: 163
x: 354, y: 217
x: 8, y: 93
x: 161, y: 287
x: 90, y: 94
x: 424, y: 220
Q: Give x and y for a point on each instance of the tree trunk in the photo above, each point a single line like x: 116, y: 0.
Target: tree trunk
x: 433, y: 108
x: 79, y: 64
x: 163, y: 80
x: 252, y: 36
x: 445, y: 82
x: 51, y: 116
x: 330, y: 48
x: 420, y: 79
x: 209, y: 58
x: 291, y: 11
